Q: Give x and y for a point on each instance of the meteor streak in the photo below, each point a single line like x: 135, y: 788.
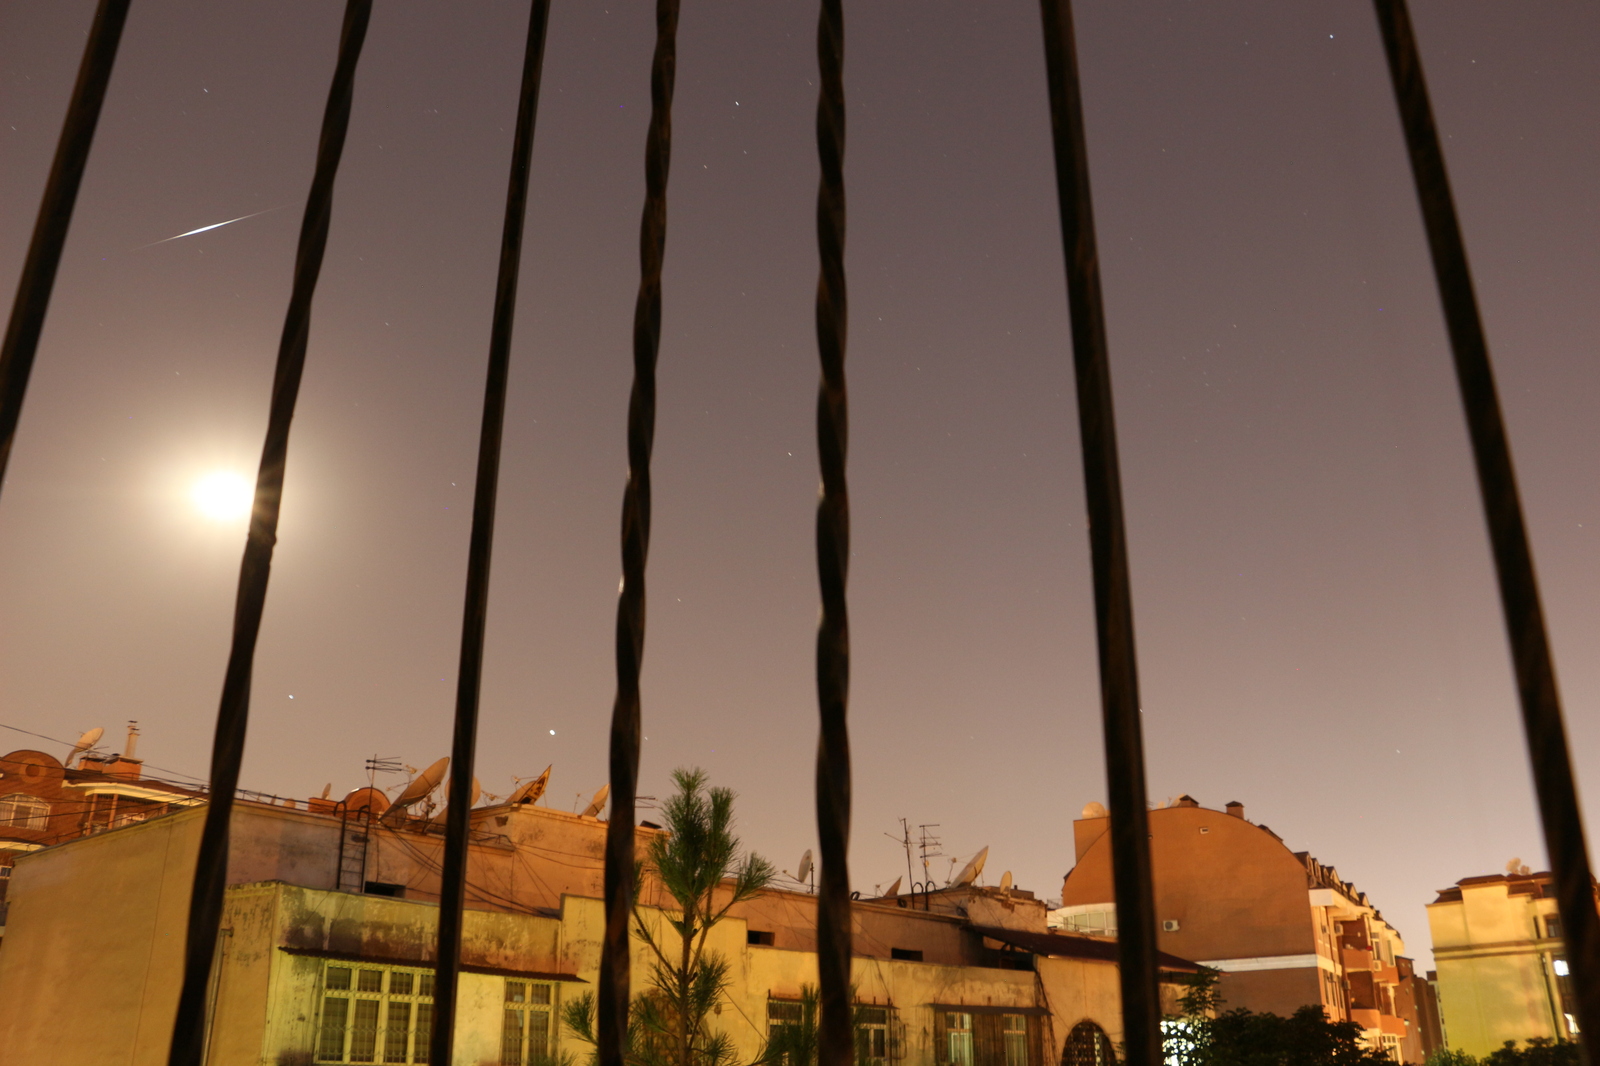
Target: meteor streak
x: 214, y: 225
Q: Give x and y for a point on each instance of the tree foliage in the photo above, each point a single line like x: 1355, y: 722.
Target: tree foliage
x: 1540, y: 1051
x: 698, y: 862
x: 1205, y: 1035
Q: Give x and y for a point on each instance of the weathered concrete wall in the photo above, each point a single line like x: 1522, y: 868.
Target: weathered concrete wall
x: 92, y: 958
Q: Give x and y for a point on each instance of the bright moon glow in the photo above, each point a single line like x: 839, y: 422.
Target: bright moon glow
x: 223, y: 496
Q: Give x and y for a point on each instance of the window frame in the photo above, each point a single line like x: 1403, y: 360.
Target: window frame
x: 23, y: 810
x: 418, y: 1002
x: 522, y: 1010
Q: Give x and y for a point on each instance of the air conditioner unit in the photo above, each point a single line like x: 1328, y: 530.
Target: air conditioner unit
x: 1169, y: 926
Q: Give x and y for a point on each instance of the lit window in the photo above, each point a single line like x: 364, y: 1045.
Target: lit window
x: 24, y: 812
x: 1560, y: 966
x: 958, y: 1044
x: 525, y: 1036
x: 872, y: 1035
x: 1014, y: 1030
x: 375, y: 1014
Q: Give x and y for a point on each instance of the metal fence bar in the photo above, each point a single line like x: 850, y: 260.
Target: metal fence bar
x: 614, y: 987
x: 55, y: 217
x: 227, y: 751
x: 1108, y: 548
x: 463, y: 750
x: 836, y: 1032
x: 1508, y: 535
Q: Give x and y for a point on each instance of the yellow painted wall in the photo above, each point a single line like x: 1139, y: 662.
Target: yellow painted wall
x: 91, y: 964
x: 1493, y: 983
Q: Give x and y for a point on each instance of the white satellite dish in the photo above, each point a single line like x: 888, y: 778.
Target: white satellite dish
x: 969, y: 873
x: 1005, y: 881
x: 1094, y: 810
x: 894, y: 889
x: 597, y: 804
x: 327, y: 790
x: 85, y: 743
x: 804, y: 872
x: 418, y: 790
x: 530, y: 791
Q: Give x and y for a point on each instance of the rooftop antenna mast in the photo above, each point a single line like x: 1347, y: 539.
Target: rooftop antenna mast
x: 382, y: 764
x: 929, y: 845
x: 904, y: 840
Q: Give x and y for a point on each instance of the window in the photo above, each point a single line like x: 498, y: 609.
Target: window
x: 525, y: 1039
x: 1088, y: 1045
x: 24, y: 812
x: 872, y: 1035
x: 958, y: 1039
x: 906, y: 954
x: 1552, y: 927
x: 375, y: 1014
x: 758, y: 936
x: 1014, y: 1034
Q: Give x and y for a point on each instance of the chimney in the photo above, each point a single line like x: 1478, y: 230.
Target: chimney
x: 133, y: 741
x: 1235, y: 808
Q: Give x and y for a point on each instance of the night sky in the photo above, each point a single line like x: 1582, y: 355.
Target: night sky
x: 1318, y: 630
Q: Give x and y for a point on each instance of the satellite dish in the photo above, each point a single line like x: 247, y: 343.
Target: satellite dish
x: 1005, y: 881
x: 85, y: 743
x: 1511, y: 867
x: 1094, y: 810
x: 894, y: 889
x: 804, y: 871
x: 327, y: 790
x: 969, y: 873
x: 420, y: 787
x: 532, y: 790
x: 597, y: 804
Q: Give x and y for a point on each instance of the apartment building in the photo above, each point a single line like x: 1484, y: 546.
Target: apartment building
x: 1502, y: 967
x: 1284, y: 930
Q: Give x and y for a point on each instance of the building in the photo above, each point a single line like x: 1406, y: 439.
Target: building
x: 329, y: 931
x: 1502, y: 967
x: 44, y: 802
x: 1284, y: 930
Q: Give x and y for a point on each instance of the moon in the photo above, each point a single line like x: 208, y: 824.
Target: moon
x: 223, y: 496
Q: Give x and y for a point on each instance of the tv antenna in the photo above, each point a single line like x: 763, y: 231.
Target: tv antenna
x: 904, y: 840
x: 383, y: 764
x: 929, y: 844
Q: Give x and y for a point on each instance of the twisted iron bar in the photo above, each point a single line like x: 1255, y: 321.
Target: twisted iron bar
x: 835, y: 1037
x: 475, y: 612
x: 38, y: 279
x: 1108, y: 549
x: 1508, y: 535
x: 227, y: 751
x: 614, y: 990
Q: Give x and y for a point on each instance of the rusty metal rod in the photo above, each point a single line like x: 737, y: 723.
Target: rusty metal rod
x: 836, y: 1031
x: 475, y: 613
x: 1108, y: 549
x: 614, y: 987
x: 1533, y: 663
x: 38, y: 279
x: 233, y: 712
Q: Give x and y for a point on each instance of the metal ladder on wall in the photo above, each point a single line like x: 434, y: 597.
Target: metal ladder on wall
x: 354, y: 838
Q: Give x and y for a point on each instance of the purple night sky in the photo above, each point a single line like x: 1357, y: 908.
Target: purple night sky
x: 1319, y: 633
